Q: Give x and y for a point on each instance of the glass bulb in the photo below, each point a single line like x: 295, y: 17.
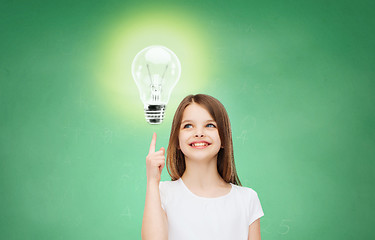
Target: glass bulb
x: 156, y: 71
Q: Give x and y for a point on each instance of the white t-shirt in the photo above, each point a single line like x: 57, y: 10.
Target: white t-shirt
x: 191, y: 217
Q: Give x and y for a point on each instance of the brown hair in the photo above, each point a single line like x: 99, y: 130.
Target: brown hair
x: 225, y: 160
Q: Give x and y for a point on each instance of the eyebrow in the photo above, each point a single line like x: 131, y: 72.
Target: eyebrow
x: 211, y: 120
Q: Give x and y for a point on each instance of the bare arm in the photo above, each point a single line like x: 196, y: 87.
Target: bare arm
x: 254, y: 230
x: 154, y: 224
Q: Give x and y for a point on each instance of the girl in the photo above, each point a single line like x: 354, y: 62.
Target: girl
x: 205, y: 199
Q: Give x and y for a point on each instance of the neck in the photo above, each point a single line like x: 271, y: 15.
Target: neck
x: 202, y: 174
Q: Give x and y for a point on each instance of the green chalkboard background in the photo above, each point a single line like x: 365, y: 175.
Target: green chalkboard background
x: 296, y: 77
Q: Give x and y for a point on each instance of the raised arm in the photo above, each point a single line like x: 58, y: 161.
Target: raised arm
x: 154, y: 224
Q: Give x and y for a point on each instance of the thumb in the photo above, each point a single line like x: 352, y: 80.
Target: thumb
x: 163, y: 150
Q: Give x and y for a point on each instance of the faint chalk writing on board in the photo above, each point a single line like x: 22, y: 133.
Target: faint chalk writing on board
x: 243, y: 136
x: 283, y: 226
x: 126, y: 213
x: 108, y: 135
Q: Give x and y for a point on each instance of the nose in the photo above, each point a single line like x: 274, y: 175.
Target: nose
x: 199, y: 133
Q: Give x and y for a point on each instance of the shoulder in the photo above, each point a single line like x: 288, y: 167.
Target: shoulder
x: 243, y: 189
x: 168, y: 185
x: 245, y: 192
x: 168, y: 190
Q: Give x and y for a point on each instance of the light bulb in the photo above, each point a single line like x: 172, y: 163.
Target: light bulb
x: 156, y: 71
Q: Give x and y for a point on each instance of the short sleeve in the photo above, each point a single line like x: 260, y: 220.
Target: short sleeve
x: 163, y: 197
x: 255, y: 210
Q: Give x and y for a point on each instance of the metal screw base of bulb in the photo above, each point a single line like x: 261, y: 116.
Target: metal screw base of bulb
x: 154, y: 113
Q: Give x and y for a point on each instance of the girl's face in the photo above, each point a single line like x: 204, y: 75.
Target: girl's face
x: 198, y: 137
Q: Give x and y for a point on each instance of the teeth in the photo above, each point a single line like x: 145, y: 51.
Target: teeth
x: 199, y: 144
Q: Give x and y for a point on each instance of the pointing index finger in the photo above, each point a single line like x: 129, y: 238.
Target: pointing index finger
x: 153, y: 143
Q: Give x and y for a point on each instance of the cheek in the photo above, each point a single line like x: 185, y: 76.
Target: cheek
x: 182, y: 144
x: 219, y: 143
x: 181, y: 139
x: 217, y: 138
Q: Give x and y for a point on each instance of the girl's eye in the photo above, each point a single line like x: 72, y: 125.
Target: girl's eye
x: 188, y: 126
x: 211, y: 125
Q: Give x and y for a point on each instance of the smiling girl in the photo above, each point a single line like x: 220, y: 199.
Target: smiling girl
x: 205, y: 199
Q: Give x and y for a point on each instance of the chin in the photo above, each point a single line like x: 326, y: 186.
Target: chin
x: 200, y: 157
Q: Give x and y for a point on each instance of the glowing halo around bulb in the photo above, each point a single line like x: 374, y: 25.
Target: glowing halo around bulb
x: 122, y: 38
x: 156, y: 71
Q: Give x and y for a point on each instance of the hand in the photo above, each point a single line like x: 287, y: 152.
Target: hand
x: 155, y: 162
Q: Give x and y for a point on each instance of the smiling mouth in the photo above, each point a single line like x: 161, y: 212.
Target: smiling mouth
x: 200, y: 145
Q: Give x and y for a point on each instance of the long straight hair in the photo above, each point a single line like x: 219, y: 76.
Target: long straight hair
x: 225, y: 159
